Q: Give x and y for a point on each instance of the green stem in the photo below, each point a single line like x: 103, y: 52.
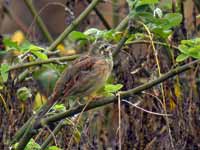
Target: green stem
x: 51, y: 60
x: 123, y: 24
x: 115, y: 13
x: 119, y: 46
x: 50, y: 137
x: 27, y: 136
x: 21, y: 131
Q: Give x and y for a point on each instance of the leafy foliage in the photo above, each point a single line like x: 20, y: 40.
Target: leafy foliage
x: 25, y: 48
x: 32, y: 145
x: 110, y: 89
x: 145, y: 11
x: 189, y: 48
x: 53, y: 148
x: 148, y: 17
x: 23, y: 93
x: 4, y: 72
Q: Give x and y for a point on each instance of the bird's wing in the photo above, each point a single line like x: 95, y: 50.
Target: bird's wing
x: 76, y: 76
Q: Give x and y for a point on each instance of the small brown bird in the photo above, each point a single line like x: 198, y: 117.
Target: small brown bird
x: 86, y: 75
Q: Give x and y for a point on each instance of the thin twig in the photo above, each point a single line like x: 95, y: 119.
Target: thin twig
x: 161, y: 85
x: 4, y: 103
x: 147, y: 111
x: 39, y: 21
x: 52, y: 134
x: 73, y: 25
x: 119, y: 117
x: 40, y: 62
x: 39, y: 12
x: 50, y: 137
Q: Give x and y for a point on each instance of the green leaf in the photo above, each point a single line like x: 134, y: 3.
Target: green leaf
x: 75, y: 36
x: 32, y: 145
x: 162, y: 33
x: 194, y: 51
x: 4, y: 71
x: 9, y: 43
x: 23, y: 93
x: 174, y: 19
x: 181, y: 57
x: 160, y: 26
x: 183, y: 48
x: 39, y: 54
x: 54, y: 148
x: 59, y: 107
x: 27, y: 46
x: 111, y: 88
x: 190, y: 48
x: 35, y: 48
x: 145, y: 2
x: 92, y: 31
x: 103, y: 34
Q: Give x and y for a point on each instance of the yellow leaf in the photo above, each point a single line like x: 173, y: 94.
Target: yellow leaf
x: 18, y: 37
x: 77, y: 135
x: 64, y: 51
x: 39, y: 101
x: 177, y: 89
x: 60, y: 47
x: 172, y: 104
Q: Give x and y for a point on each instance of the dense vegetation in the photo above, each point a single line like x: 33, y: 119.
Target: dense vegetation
x: 150, y: 101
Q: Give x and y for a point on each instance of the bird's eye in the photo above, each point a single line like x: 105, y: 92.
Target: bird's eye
x: 104, y: 46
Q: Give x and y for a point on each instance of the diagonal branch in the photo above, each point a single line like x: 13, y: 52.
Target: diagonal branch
x: 123, y: 94
x: 50, y: 60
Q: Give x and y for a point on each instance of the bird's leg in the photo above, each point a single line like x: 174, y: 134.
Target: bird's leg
x: 78, y: 102
x: 93, y: 96
x: 79, y: 99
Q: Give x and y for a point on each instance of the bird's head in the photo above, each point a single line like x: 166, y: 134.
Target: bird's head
x: 102, y: 48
